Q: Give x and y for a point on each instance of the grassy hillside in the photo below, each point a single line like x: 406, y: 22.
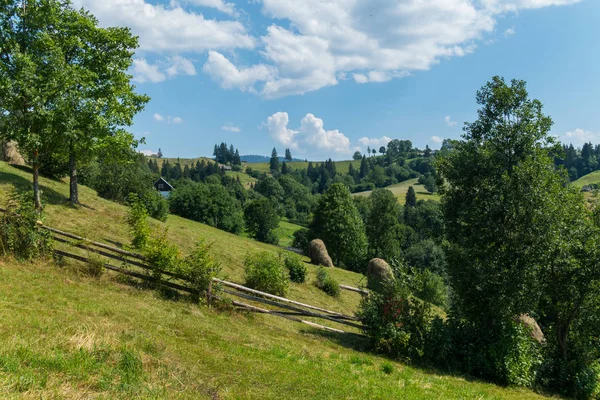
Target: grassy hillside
x: 400, y: 190
x: 341, y: 166
x: 63, y: 335
x: 591, y: 178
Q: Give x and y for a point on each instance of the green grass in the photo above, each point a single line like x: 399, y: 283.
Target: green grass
x: 286, y: 232
x: 341, y: 166
x: 591, y: 178
x: 64, y: 335
x: 400, y: 190
x: 245, y: 179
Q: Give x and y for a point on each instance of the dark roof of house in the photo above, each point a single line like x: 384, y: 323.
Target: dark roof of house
x: 163, y: 181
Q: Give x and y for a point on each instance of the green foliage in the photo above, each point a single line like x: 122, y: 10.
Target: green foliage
x: 137, y: 219
x: 426, y: 255
x: 199, y: 267
x: 261, y: 220
x: 162, y: 255
x: 430, y: 287
x: 396, y: 322
x: 383, y: 226
x: 20, y: 236
x: 94, y: 267
x: 302, y: 238
x: 411, y: 198
x: 327, y: 283
x: 338, y: 223
x: 209, y: 203
x: 156, y: 205
x: 296, y: 267
x: 266, y: 272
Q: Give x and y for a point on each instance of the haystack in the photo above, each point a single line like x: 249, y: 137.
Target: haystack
x: 531, y: 324
x: 10, y: 153
x: 318, y: 253
x: 378, y: 272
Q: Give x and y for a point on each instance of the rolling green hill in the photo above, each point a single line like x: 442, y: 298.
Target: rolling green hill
x: 400, y: 190
x: 341, y: 166
x: 593, y: 177
x: 64, y: 335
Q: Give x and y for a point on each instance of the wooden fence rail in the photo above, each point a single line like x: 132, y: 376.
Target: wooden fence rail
x: 293, y: 309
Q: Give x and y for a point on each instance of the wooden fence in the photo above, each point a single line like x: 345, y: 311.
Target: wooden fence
x: 278, y: 306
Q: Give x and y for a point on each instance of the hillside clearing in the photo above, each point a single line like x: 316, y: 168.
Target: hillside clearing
x: 400, y: 190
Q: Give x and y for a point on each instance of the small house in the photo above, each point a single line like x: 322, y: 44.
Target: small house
x: 586, y: 188
x: 163, y: 187
x: 225, y: 167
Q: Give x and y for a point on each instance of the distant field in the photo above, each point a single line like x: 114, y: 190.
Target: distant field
x: 400, y: 190
x: 245, y: 179
x: 182, y: 161
x: 588, y: 179
x: 341, y: 166
x: 286, y: 232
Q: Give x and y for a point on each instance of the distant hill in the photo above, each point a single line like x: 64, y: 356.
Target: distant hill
x: 254, y: 158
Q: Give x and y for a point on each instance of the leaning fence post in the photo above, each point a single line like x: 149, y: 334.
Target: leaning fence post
x: 209, y: 293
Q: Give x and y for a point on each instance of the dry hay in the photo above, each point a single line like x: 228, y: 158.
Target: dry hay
x: 378, y: 271
x: 318, y: 253
x: 531, y: 324
x: 11, y: 154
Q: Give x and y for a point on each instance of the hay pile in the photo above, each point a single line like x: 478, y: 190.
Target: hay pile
x: 378, y: 272
x: 531, y: 324
x: 318, y: 253
x: 10, y: 153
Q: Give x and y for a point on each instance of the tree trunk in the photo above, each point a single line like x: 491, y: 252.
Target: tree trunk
x: 36, y: 182
x: 73, y: 188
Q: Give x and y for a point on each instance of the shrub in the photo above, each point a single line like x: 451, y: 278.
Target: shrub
x: 265, y: 272
x: 302, y: 238
x: 137, y: 219
x: 296, y: 267
x: 161, y: 255
x: 19, y: 234
x: 396, y: 322
x: 430, y: 287
x: 94, y: 267
x: 199, y: 267
x: 156, y: 205
x: 326, y: 283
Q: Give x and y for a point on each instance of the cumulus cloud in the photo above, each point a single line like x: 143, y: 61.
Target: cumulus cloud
x: 229, y: 76
x: 277, y: 126
x: 227, y: 8
x: 180, y: 66
x: 509, y: 32
x: 449, y: 121
x: 231, y: 128
x: 580, y: 136
x: 143, y: 72
x: 374, y: 142
x: 170, y: 28
x: 147, y: 152
x: 437, y: 139
x: 168, y: 119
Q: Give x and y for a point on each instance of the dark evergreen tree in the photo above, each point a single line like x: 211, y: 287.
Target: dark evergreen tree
x: 288, y: 155
x: 411, y: 198
x: 274, y: 162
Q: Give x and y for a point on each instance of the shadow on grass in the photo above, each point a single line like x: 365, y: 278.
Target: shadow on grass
x: 49, y: 196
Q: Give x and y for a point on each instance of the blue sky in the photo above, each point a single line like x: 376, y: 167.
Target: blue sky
x: 326, y: 78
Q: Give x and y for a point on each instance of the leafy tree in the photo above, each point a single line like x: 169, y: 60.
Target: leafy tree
x: 356, y: 156
x: 382, y: 226
x: 261, y: 220
x: 411, y: 197
x: 427, y: 151
x: 382, y: 150
x: 519, y: 239
x: 337, y: 222
x: 288, y: 155
x: 274, y: 162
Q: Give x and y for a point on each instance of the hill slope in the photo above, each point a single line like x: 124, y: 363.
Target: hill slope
x: 401, y: 188
x: 67, y: 336
x: 591, y: 178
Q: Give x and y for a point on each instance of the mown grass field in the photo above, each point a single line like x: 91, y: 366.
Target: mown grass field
x: 341, y: 166
x: 588, y: 179
x: 64, y: 335
x: 400, y: 190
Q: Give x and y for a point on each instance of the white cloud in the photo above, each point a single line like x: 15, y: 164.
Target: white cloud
x: 437, y: 139
x: 277, y: 127
x: 374, y: 143
x: 168, y: 119
x: 509, y: 32
x: 227, y: 8
x: 231, y: 128
x: 229, y: 76
x: 379, y: 76
x: 449, y: 121
x: 147, y: 152
x: 580, y: 136
x: 312, y: 129
x: 180, y: 66
x: 144, y: 72
x: 170, y: 28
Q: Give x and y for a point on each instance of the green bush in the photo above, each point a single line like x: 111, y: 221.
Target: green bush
x: 156, y: 205
x: 430, y: 287
x: 199, y: 267
x: 396, y: 322
x: 302, y: 238
x: 266, y: 272
x: 137, y: 219
x: 20, y: 235
x: 161, y: 255
x: 326, y: 283
x: 296, y: 267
